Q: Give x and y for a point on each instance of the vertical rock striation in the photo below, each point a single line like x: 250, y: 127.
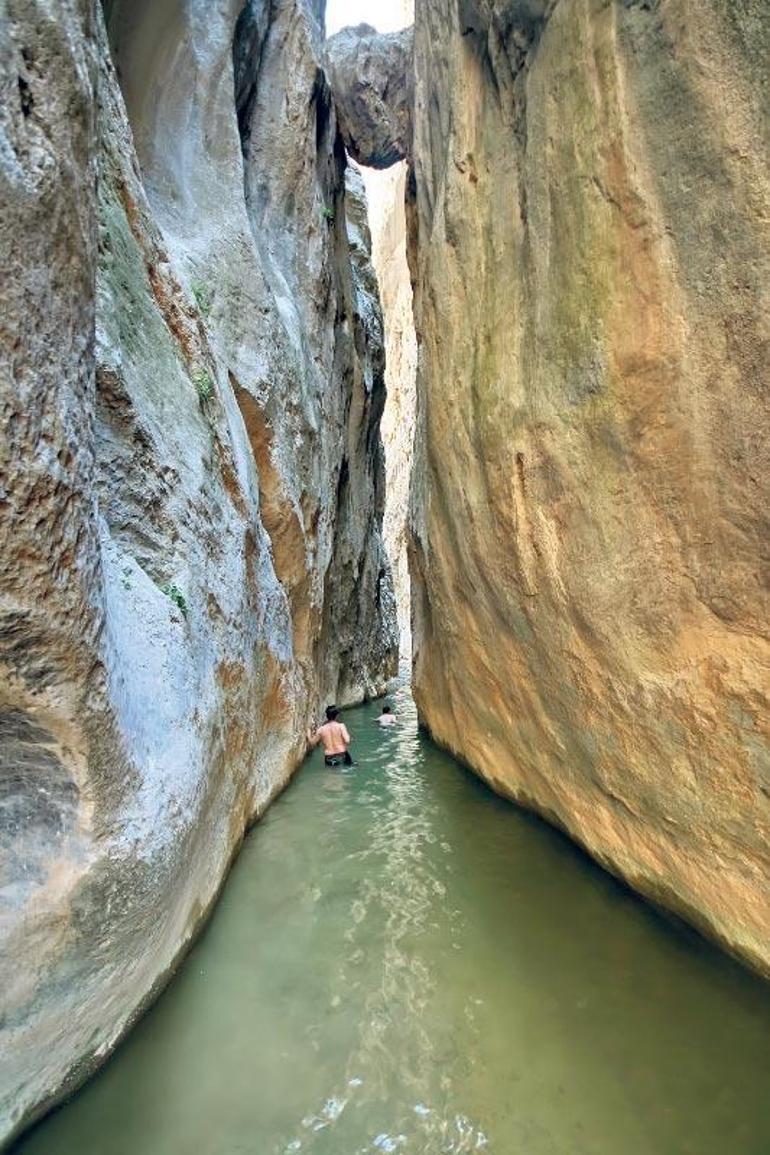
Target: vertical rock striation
x: 590, y: 499
x: 371, y: 74
x: 386, y: 193
x: 193, y: 481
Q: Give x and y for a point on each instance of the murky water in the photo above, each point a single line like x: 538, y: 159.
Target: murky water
x: 402, y: 962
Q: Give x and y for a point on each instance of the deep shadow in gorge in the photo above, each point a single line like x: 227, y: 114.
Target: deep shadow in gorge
x: 371, y: 78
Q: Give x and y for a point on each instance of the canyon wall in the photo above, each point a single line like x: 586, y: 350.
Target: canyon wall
x: 192, y: 383
x: 386, y: 196
x: 590, y: 498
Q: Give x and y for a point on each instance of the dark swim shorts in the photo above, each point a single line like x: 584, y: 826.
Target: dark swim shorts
x: 338, y: 759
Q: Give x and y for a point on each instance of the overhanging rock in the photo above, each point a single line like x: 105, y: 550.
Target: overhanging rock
x: 371, y: 78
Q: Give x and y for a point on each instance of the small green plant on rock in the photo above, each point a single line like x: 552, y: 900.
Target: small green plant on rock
x: 204, y: 297
x: 328, y: 214
x: 177, y: 597
x: 204, y: 385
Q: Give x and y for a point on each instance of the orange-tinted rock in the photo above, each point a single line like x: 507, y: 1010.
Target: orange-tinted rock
x: 591, y: 493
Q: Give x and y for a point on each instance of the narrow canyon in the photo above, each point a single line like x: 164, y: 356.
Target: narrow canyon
x: 540, y: 228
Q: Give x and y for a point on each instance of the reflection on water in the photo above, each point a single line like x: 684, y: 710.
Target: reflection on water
x: 402, y: 962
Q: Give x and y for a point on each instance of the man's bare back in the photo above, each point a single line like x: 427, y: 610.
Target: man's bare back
x: 335, y: 739
x: 334, y: 736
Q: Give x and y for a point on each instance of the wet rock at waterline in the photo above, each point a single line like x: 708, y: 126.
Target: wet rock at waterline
x: 192, y: 554
x: 591, y: 480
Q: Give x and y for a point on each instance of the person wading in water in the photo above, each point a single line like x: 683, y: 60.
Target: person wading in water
x: 335, y: 738
x: 387, y: 717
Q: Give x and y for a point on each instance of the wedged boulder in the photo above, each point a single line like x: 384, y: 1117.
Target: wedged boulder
x: 371, y: 78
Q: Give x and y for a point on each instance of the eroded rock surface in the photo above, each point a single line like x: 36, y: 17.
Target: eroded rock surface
x: 371, y: 75
x: 192, y: 474
x: 591, y: 482
x: 386, y: 194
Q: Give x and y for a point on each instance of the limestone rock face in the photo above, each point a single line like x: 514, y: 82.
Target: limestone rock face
x: 590, y: 501
x: 192, y: 382
x: 371, y: 75
x: 386, y: 194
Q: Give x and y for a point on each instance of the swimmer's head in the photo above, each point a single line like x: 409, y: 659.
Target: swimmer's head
x: 331, y: 713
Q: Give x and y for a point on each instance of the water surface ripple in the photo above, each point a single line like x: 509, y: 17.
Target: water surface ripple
x: 402, y: 962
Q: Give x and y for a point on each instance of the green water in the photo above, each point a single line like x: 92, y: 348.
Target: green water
x: 402, y: 962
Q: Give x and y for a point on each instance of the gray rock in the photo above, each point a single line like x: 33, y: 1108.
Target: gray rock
x: 371, y: 76
x: 387, y: 214
x: 192, y: 555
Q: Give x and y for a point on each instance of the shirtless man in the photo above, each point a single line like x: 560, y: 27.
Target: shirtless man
x: 335, y: 739
x: 387, y: 717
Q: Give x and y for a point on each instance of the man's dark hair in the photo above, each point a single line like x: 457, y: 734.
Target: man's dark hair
x: 386, y: 709
x: 331, y: 713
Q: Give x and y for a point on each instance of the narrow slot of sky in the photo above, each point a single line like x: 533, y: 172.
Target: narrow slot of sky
x: 384, y: 15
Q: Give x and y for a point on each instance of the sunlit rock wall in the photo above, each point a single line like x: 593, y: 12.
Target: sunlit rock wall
x: 386, y: 192
x: 591, y: 482
x: 192, y: 381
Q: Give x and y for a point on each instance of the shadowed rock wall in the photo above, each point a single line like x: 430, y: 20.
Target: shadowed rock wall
x: 192, y: 559
x: 590, y: 493
x: 371, y: 74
